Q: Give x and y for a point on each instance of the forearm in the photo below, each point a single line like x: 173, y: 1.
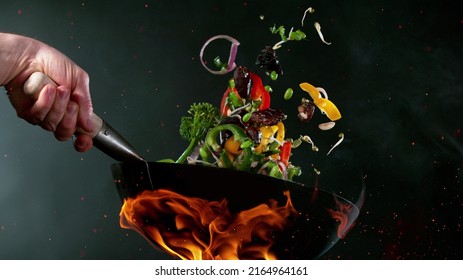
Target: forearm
x: 16, y: 54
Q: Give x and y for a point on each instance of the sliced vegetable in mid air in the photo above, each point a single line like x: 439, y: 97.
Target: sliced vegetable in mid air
x: 325, y: 105
x: 230, y: 65
x: 246, y: 133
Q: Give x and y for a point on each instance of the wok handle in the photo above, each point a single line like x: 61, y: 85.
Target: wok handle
x: 37, y: 81
x: 105, y: 138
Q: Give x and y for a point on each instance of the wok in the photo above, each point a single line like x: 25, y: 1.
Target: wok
x: 313, y: 232
x: 308, y: 236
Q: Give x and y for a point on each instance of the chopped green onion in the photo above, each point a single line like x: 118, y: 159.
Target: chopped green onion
x: 218, y: 62
x: 230, y: 65
x: 246, y: 144
x: 231, y: 84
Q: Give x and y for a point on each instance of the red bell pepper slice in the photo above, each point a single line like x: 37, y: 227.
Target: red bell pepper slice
x: 285, y: 152
x: 223, y: 103
x: 258, y: 91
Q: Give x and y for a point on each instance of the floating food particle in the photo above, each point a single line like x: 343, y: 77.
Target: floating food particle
x: 341, y: 135
x: 319, y: 30
x: 231, y: 59
x: 288, y: 94
x: 326, y: 125
x: 309, y: 10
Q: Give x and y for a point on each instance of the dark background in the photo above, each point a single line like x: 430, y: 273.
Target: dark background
x: 394, y: 69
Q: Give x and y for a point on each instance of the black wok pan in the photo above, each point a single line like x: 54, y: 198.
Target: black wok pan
x: 313, y: 232
x: 308, y: 236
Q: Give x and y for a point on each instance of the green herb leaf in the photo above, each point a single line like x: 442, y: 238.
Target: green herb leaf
x: 297, y: 35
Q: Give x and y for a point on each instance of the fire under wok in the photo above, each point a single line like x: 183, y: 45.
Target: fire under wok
x: 310, y: 220
x: 320, y: 218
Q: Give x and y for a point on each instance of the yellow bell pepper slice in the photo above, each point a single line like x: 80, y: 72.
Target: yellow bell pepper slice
x: 280, y: 137
x: 311, y: 90
x: 325, y: 105
x: 267, y: 134
x: 232, y: 146
x: 328, y: 108
x: 281, y: 132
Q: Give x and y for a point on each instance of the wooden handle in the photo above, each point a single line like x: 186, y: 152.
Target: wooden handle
x: 34, y: 85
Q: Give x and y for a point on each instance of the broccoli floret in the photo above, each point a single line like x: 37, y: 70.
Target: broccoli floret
x: 202, y: 116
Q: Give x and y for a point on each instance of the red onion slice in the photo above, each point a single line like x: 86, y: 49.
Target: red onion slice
x: 283, y: 170
x: 231, y: 59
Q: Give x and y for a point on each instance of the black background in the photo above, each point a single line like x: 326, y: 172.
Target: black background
x: 394, y: 70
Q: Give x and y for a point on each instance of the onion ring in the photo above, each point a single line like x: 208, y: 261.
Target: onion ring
x: 231, y: 59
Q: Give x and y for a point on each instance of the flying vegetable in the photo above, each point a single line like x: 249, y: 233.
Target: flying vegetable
x: 193, y: 128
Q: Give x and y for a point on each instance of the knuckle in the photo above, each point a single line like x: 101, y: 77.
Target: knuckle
x: 62, y: 138
x: 37, y: 118
x: 62, y: 134
x: 47, y: 125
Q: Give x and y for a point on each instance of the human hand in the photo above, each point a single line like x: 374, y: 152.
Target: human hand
x: 60, y: 108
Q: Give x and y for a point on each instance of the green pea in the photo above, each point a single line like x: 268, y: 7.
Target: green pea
x: 223, y: 66
x: 288, y: 93
x: 268, y: 89
x: 247, y: 117
x: 273, y: 75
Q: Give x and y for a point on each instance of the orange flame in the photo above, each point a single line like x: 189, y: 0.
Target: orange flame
x: 342, y: 214
x: 194, y: 228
